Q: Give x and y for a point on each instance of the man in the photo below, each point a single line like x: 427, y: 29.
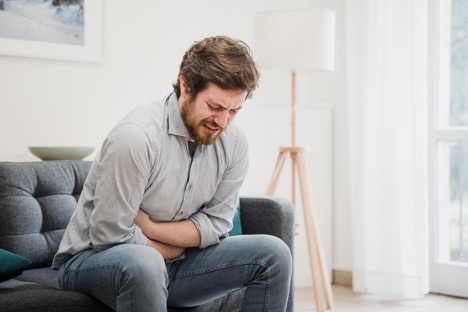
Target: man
x: 150, y: 229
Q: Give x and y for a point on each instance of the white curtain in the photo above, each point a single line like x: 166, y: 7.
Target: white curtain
x: 386, y: 49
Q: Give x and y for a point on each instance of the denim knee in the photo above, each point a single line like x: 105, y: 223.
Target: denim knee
x: 279, y: 254
x: 144, y: 265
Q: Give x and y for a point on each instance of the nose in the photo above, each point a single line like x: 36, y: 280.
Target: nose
x: 222, y: 119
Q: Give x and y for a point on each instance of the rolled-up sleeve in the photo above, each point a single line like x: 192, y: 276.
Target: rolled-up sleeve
x: 121, y: 179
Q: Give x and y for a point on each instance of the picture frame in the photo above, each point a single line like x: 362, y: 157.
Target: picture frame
x: 89, y: 51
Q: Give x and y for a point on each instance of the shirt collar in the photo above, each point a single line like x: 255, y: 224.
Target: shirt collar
x: 176, y: 124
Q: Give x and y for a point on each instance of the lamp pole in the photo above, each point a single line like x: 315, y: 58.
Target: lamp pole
x: 293, y: 108
x: 299, y: 40
x: 321, y: 280
x: 293, y: 135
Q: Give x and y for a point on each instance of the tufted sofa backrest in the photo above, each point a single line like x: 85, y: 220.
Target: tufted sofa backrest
x: 37, y: 200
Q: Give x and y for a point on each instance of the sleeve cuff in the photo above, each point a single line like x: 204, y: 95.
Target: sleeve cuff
x: 208, y: 236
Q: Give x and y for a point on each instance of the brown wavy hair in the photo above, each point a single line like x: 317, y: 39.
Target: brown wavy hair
x: 223, y: 61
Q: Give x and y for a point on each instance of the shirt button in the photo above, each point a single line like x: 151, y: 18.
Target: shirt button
x: 190, y: 187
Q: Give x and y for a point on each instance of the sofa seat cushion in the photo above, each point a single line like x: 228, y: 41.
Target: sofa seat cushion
x: 22, y: 296
x: 45, y: 276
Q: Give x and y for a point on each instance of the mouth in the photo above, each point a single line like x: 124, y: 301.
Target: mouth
x: 213, y: 129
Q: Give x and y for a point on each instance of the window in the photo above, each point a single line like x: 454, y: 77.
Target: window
x: 452, y: 138
x: 449, y: 152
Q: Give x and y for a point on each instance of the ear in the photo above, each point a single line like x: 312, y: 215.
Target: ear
x: 184, y: 91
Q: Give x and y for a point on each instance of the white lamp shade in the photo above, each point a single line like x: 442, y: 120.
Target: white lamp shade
x: 296, y: 40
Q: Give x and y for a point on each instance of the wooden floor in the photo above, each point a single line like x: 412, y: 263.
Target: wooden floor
x: 348, y: 301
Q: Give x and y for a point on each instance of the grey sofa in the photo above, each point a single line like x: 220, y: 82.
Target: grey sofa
x: 37, y: 200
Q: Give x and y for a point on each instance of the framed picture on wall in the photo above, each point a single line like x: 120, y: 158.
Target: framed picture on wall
x: 52, y: 29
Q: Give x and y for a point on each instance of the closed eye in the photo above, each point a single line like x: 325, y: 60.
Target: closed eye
x: 215, y: 108
x: 219, y: 108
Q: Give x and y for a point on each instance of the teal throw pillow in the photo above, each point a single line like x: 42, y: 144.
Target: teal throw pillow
x: 236, y: 221
x: 11, y: 265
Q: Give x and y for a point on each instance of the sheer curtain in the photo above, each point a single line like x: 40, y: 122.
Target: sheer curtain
x: 387, y: 86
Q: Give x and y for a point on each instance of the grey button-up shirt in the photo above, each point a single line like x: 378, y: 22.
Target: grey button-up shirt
x: 145, y: 163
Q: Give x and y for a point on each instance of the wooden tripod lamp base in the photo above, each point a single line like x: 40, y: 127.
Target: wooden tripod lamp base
x: 322, y: 285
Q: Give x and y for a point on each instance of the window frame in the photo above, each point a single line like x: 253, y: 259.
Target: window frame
x: 446, y: 277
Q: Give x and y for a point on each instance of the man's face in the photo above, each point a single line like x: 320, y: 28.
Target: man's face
x: 209, y: 114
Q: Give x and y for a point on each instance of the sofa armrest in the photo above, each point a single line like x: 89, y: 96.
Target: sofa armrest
x: 268, y: 215
x: 274, y: 216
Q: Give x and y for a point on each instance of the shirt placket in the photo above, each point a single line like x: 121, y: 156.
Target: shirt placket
x: 187, y: 206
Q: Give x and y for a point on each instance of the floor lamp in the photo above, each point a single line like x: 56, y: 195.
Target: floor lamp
x: 299, y: 41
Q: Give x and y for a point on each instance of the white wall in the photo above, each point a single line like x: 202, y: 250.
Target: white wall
x: 46, y: 102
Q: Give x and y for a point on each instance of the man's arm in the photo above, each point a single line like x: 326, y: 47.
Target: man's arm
x: 168, y: 252
x: 181, y: 234
x: 120, y: 177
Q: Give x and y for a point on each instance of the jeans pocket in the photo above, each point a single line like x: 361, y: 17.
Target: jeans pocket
x: 171, y: 268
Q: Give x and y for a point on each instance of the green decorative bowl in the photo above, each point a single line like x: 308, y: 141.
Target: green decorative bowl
x: 61, y: 152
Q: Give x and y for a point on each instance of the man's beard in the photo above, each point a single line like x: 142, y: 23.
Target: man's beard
x: 194, y: 127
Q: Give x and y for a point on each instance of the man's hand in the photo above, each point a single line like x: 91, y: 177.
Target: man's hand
x: 168, y: 252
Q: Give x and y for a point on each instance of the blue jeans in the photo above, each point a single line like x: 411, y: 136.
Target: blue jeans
x: 136, y: 278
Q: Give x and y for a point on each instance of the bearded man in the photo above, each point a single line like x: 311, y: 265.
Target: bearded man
x: 151, y: 226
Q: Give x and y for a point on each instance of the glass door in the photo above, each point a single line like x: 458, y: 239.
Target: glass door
x: 449, y: 147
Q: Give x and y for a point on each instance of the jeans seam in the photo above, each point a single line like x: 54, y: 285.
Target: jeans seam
x: 267, y: 291
x: 221, y: 267
x: 69, y: 269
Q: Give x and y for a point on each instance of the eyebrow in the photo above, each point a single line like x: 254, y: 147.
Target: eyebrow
x: 217, y: 105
